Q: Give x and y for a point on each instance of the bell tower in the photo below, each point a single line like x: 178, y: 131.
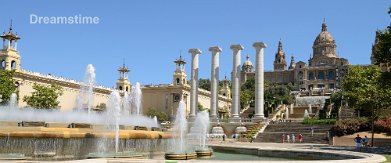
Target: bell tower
x: 179, y: 77
x: 225, y: 91
x: 9, y: 55
x: 279, y: 61
x: 123, y: 83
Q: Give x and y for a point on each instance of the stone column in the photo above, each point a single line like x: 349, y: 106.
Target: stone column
x: 236, y: 81
x: 259, y: 80
x: 194, y: 82
x: 214, y: 83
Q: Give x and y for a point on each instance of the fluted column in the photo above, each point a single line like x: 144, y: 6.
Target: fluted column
x: 259, y: 80
x: 236, y: 80
x: 214, y: 85
x: 194, y: 81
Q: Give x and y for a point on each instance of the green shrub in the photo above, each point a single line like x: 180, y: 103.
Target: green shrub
x: 319, y: 121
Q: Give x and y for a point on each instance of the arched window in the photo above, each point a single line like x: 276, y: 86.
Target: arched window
x: 3, y: 63
x: 120, y: 88
x: 224, y: 94
x: 126, y: 89
x: 13, y: 65
x: 300, y: 75
x: 331, y: 75
x: 311, y: 76
x: 177, y: 81
x: 321, y: 75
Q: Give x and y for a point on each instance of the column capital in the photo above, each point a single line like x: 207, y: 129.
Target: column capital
x: 259, y: 45
x: 237, y: 47
x: 215, y: 49
x: 195, y: 51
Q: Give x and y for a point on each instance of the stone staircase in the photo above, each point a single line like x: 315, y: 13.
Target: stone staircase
x: 346, y: 112
x: 253, y: 128
x: 273, y: 132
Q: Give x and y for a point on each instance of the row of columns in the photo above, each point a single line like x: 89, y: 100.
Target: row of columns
x: 259, y: 80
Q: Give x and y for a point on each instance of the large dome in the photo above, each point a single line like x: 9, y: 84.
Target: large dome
x: 324, y: 36
x: 247, y: 65
x: 324, y: 44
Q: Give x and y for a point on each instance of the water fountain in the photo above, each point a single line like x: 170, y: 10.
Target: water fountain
x: 198, y: 133
x: 180, y: 150
x: 217, y: 131
x: 126, y: 104
x: 306, y: 115
x: 155, y: 120
x: 240, y: 129
x: 136, y: 95
x: 86, y: 89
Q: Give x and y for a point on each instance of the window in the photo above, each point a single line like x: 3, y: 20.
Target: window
x: 331, y: 75
x: 311, y: 76
x: 126, y: 89
x: 13, y: 65
x: 331, y: 86
x: 120, y: 88
x: 3, y: 64
x: 224, y: 94
x: 320, y: 86
x: 321, y: 75
x: 300, y: 75
x: 177, y: 81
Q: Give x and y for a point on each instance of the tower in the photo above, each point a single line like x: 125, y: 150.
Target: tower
x: 279, y: 61
x: 293, y: 64
x: 9, y: 55
x: 225, y: 90
x: 324, y: 44
x: 179, y: 77
x: 123, y: 83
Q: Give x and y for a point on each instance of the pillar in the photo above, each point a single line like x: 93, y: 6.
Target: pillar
x: 194, y: 81
x: 259, y: 80
x: 236, y: 81
x: 214, y: 81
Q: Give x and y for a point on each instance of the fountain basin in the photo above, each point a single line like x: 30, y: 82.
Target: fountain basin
x: 204, y: 152
x: 180, y: 156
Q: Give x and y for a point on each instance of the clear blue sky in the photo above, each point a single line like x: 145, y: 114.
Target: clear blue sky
x: 150, y: 34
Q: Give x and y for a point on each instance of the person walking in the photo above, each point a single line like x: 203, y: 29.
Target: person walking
x: 358, y: 142
x: 293, y: 138
x: 300, y: 138
x: 312, y: 132
x: 288, y: 139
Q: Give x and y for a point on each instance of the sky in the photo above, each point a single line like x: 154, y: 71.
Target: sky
x: 150, y: 34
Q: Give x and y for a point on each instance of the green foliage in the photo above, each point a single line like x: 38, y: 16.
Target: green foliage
x: 279, y: 92
x: 161, y: 116
x: 7, y: 86
x: 204, y: 84
x: 363, y: 88
x: 200, y: 107
x: 101, y: 106
x: 245, y: 99
x: 44, y: 97
x: 319, y: 121
x: 382, y: 51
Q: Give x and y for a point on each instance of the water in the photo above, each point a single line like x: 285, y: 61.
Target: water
x: 136, y: 98
x: 234, y: 156
x: 86, y: 89
x: 200, y: 130
x: 313, y: 100
x: 126, y: 104
x: 113, y: 115
x: 13, y: 102
x: 306, y: 115
x: 155, y: 119
x: 180, y: 129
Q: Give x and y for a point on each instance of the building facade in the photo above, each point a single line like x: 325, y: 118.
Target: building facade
x: 320, y: 76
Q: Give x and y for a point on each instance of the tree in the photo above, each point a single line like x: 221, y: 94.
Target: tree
x: 245, y: 99
x: 204, y: 84
x: 279, y: 92
x: 7, y: 85
x: 44, y: 97
x: 382, y: 49
x: 161, y: 116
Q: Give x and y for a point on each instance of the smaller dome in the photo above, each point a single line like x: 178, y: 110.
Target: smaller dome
x: 247, y: 62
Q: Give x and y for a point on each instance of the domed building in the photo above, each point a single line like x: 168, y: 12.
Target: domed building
x: 322, y: 74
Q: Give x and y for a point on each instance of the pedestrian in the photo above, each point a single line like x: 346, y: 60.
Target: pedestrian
x: 283, y: 138
x: 358, y: 142
x: 312, y: 132
x: 288, y: 139
x: 293, y: 138
x: 300, y: 138
x: 224, y: 137
x: 365, y: 141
